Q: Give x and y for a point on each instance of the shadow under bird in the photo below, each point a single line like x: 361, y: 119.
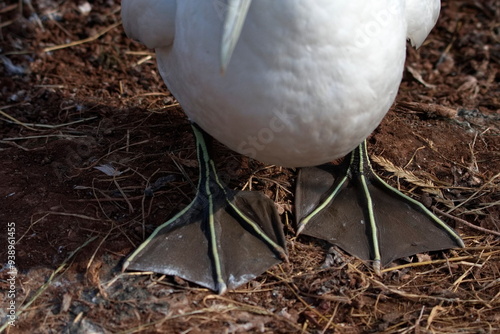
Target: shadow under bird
x: 296, y: 83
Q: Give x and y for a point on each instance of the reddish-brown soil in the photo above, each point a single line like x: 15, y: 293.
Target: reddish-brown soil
x: 76, y: 94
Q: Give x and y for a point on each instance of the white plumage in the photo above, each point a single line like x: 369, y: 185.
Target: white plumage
x: 308, y: 79
x: 295, y: 83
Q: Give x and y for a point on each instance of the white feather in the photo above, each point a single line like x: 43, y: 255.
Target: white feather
x: 421, y: 16
x: 152, y: 22
x: 308, y: 79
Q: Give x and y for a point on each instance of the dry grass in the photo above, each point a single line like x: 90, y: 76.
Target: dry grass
x: 104, y: 150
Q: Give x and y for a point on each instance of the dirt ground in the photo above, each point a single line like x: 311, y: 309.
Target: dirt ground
x: 76, y: 94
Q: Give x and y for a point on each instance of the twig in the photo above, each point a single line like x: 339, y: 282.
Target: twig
x: 49, y: 126
x: 82, y: 41
x: 42, y: 136
x: 11, y: 143
x: 15, y: 120
x: 475, y: 193
x: 412, y: 296
x: 463, y: 221
x: 425, y: 263
x: 249, y: 308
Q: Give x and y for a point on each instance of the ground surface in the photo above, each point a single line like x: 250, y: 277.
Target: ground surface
x: 76, y: 94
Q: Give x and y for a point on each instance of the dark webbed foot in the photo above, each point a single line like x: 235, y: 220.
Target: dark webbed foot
x: 221, y: 240
x: 353, y: 208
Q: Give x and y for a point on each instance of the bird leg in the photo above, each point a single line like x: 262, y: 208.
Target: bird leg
x: 221, y: 240
x: 353, y: 208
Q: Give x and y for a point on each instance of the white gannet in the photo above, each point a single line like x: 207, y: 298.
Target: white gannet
x: 296, y: 83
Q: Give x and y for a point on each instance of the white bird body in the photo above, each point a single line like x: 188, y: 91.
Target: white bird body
x: 289, y: 82
x: 307, y: 81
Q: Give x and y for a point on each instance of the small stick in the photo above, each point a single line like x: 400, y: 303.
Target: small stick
x: 465, y: 222
x: 82, y: 41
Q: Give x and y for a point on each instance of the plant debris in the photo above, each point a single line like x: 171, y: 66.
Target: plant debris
x: 96, y: 153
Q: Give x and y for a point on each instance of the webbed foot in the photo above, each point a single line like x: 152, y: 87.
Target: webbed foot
x: 221, y: 240
x: 353, y: 208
